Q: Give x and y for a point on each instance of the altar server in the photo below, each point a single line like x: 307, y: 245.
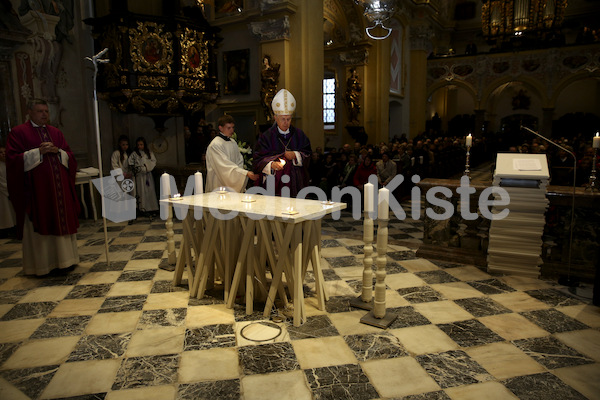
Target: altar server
x: 224, y: 162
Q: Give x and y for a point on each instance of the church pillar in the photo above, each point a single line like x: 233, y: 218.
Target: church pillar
x: 291, y: 41
x: 479, y: 120
x: 419, y: 40
x: 492, y: 126
x: 451, y: 105
x: 307, y: 76
x: 380, y: 92
x: 546, y: 125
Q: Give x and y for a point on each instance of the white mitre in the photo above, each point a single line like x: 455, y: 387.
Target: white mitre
x: 283, y: 103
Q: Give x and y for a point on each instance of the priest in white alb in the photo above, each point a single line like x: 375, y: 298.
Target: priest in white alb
x: 224, y: 162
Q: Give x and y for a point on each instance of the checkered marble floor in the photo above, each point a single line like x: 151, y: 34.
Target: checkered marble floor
x: 121, y: 331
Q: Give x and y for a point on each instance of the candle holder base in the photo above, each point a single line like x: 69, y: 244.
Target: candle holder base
x: 592, y: 183
x: 359, y: 303
x: 382, y: 323
x: 467, y: 172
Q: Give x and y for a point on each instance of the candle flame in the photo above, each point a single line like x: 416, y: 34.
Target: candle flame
x: 282, y: 161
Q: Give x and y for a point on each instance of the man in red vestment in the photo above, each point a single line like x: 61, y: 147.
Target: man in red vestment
x: 41, y: 183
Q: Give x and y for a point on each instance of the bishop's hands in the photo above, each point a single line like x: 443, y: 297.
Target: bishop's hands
x: 278, y: 165
x: 48, y: 147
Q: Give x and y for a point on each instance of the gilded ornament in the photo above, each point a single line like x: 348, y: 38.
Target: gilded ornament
x: 153, y: 81
x: 191, y: 83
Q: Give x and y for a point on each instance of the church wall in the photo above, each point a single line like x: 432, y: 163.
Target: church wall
x: 75, y: 90
x: 586, y: 92
x: 64, y: 79
x: 450, y: 101
x: 507, y: 105
x: 242, y: 106
x: 238, y: 38
x: 114, y: 124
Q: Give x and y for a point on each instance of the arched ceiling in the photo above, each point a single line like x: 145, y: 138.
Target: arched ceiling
x: 343, y: 23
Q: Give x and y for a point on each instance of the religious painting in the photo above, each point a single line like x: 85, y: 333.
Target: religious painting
x: 194, y: 53
x: 152, y: 50
x: 237, y: 80
x: 193, y: 57
x: 227, y: 7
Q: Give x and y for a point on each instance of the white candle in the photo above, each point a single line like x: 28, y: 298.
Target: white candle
x: 368, y: 192
x: 383, y: 211
x: 165, y: 185
x: 596, y: 141
x: 469, y: 141
x: 198, y: 185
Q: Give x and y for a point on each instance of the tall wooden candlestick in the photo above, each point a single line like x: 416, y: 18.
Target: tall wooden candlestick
x: 165, y: 188
x: 365, y: 300
x: 378, y: 316
x: 592, y: 184
x: 382, y: 242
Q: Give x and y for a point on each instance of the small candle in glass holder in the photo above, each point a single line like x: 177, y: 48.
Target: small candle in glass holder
x: 596, y: 141
x: 290, y: 211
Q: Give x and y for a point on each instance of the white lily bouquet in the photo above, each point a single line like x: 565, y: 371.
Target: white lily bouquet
x: 246, y: 151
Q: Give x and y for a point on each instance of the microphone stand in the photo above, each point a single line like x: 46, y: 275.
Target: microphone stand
x: 569, y: 282
x: 98, y: 60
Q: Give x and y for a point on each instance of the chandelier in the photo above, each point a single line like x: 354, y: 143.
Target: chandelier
x: 378, y: 12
